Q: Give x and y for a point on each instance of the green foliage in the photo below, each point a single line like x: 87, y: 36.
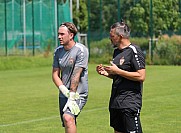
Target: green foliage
x: 168, y: 52
x: 138, y: 25
x: 101, y: 51
x: 142, y: 42
x: 165, y: 52
x: 166, y: 16
x: 80, y: 16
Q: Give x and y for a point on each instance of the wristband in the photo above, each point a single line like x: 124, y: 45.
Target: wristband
x: 64, y: 90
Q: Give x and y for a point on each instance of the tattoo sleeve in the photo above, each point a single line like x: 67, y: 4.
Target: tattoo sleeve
x: 75, y: 78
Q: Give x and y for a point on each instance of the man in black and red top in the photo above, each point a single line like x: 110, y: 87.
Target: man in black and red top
x: 127, y: 70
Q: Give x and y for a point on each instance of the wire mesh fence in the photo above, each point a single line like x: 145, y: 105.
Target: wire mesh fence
x: 28, y: 27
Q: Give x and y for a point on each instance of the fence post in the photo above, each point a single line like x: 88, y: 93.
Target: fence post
x: 151, y: 30
x: 33, y: 30
x: 5, y: 19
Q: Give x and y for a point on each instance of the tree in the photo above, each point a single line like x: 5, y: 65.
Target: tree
x: 166, y: 15
x: 80, y: 16
x: 138, y: 21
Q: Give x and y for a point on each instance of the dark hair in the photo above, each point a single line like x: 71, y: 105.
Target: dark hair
x: 121, y: 28
x: 70, y: 26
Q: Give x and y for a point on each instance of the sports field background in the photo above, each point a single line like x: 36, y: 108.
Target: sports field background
x: 29, y: 102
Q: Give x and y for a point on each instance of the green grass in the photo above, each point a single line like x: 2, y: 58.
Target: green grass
x: 24, y: 62
x: 29, y: 102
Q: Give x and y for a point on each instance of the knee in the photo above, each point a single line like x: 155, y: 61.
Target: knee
x: 68, y: 120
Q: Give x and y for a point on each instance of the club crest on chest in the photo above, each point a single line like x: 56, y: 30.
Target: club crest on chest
x: 71, y: 61
x: 121, y: 61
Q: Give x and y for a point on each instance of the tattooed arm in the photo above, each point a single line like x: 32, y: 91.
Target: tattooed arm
x: 75, y: 78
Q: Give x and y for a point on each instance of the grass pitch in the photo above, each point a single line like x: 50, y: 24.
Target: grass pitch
x: 29, y: 102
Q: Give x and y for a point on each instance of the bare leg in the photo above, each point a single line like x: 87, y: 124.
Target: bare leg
x: 117, y: 131
x: 69, y: 122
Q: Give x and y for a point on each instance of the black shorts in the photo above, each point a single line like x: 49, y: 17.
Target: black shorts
x: 125, y: 120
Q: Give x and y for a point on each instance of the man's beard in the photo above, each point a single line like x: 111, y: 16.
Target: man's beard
x: 114, y: 45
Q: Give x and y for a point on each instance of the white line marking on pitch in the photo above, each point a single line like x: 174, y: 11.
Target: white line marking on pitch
x: 46, y: 118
